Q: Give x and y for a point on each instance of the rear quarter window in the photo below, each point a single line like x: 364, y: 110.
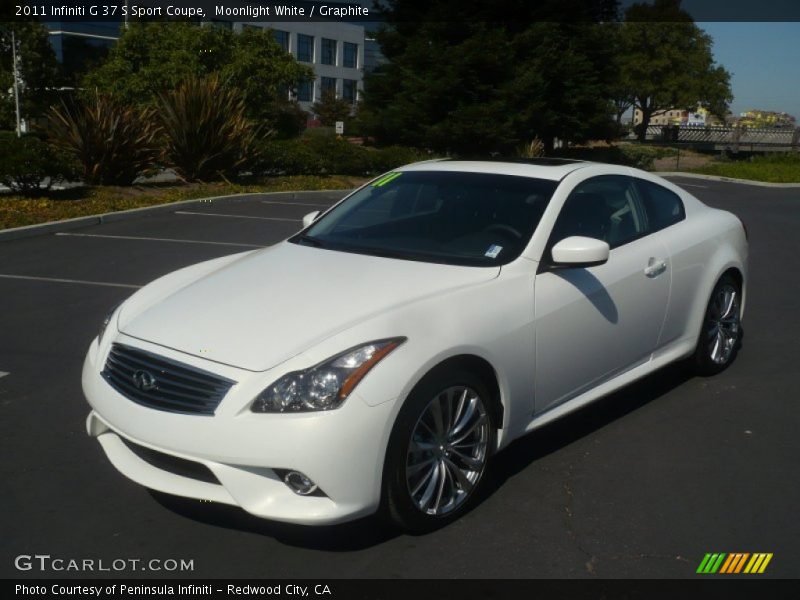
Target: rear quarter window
x: 663, y: 207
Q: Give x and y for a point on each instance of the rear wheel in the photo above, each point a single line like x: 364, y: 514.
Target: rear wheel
x: 439, y: 451
x: 722, y: 328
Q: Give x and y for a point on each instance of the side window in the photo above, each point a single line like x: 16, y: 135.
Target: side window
x: 663, y: 207
x: 606, y: 208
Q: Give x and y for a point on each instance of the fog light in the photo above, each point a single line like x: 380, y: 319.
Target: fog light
x: 299, y: 483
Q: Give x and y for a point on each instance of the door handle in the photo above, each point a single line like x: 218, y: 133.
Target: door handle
x: 655, y: 267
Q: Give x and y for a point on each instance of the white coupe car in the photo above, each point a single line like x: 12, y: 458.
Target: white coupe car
x: 381, y: 356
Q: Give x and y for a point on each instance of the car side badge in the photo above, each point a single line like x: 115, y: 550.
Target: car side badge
x: 493, y: 251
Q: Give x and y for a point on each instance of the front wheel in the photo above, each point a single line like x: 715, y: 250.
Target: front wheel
x: 439, y: 451
x: 722, y: 328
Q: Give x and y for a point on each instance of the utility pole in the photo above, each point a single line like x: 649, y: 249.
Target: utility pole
x: 16, y: 80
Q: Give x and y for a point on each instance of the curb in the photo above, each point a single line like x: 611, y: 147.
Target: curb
x: 26, y: 231
x: 725, y: 179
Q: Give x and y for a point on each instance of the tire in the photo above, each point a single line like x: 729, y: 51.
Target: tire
x: 433, y: 474
x: 721, y: 332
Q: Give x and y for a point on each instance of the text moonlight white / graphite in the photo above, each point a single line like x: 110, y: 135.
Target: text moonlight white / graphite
x: 255, y: 11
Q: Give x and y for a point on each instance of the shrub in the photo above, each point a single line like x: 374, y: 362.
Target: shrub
x: 319, y: 154
x: 391, y: 157
x: 343, y: 157
x: 113, y: 144
x: 288, y: 157
x: 632, y: 155
x: 642, y: 157
x: 289, y: 120
x: 312, y: 155
x: 28, y: 165
x: 207, y: 133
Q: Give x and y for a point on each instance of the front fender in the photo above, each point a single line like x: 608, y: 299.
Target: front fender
x: 450, y: 325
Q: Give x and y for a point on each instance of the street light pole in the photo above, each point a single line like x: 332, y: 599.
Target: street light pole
x: 16, y: 80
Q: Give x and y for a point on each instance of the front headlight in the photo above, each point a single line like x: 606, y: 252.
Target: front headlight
x: 106, y: 321
x: 326, y: 385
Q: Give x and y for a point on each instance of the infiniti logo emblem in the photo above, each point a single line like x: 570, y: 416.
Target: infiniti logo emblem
x: 144, y: 381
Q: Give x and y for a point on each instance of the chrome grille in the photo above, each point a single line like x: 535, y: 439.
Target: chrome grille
x: 163, y: 384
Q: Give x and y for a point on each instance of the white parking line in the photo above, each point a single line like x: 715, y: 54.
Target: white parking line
x: 692, y: 185
x: 3, y: 374
x: 296, y: 203
x: 205, y: 214
x: 58, y: 280
x: 154, y: 239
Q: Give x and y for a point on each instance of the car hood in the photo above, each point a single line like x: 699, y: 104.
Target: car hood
x: 268, y: 306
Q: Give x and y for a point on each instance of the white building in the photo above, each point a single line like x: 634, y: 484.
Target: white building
x: 334, y: 50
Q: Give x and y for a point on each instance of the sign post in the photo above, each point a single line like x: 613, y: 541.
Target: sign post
x: 15, y: 73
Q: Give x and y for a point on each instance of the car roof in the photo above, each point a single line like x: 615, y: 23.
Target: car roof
x: 553, y: 169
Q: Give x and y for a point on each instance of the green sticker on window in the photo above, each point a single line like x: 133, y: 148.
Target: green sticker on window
x: 387, y: 178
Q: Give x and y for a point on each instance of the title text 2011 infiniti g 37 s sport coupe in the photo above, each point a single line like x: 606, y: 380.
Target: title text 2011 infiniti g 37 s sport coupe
x: 381, y: 356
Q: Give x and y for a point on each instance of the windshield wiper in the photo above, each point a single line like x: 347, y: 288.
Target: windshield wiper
x: 311, y: 241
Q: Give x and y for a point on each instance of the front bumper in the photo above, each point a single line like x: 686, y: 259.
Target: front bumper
x: 341, y: 450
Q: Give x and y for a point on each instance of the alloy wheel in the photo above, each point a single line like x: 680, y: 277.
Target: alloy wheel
x: 723, y: 324
x: 448, y: 450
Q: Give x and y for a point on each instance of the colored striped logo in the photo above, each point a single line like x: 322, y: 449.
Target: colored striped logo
x: 386, y: 179
x: 737, y: 562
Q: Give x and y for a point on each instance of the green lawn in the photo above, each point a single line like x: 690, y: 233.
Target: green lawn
x: 16, y: 211
x: 774, y: 168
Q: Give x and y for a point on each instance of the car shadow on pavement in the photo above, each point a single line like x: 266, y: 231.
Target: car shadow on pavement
x: 562, y: 432
x: 373, y: 530
x: 346, y: 537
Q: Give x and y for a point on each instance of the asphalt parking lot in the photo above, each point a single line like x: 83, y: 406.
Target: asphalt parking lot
x: 641, y: 484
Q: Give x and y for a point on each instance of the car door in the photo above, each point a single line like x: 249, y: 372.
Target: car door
x: 595, y: 322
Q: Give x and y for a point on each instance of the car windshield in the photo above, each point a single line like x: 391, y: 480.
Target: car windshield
x: 476, y: 219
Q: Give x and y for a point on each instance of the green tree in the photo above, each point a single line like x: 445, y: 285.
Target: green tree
x: 330, y: 109
x: 622, y: 97
x: 151, y: 58
x: 38, y: 70
x: 459, y: 81
x: 561, y: 87
x: 666, y: 62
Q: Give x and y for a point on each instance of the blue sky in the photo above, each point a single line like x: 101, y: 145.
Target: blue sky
x: 764, y: 62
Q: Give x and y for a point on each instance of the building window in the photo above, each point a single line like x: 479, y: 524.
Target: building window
x: 328, y: 51
x: 349, y: 90
x: 328, y: 85
x: 305, y: 48
x: 282, y: 37
x: 304, y: 91
x: 350, y: 55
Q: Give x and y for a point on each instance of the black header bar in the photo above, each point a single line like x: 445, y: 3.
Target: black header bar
x: 368, y: 11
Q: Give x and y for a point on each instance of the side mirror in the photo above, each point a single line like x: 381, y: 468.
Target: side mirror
x: 310, y: 218
x: 578, y: 251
